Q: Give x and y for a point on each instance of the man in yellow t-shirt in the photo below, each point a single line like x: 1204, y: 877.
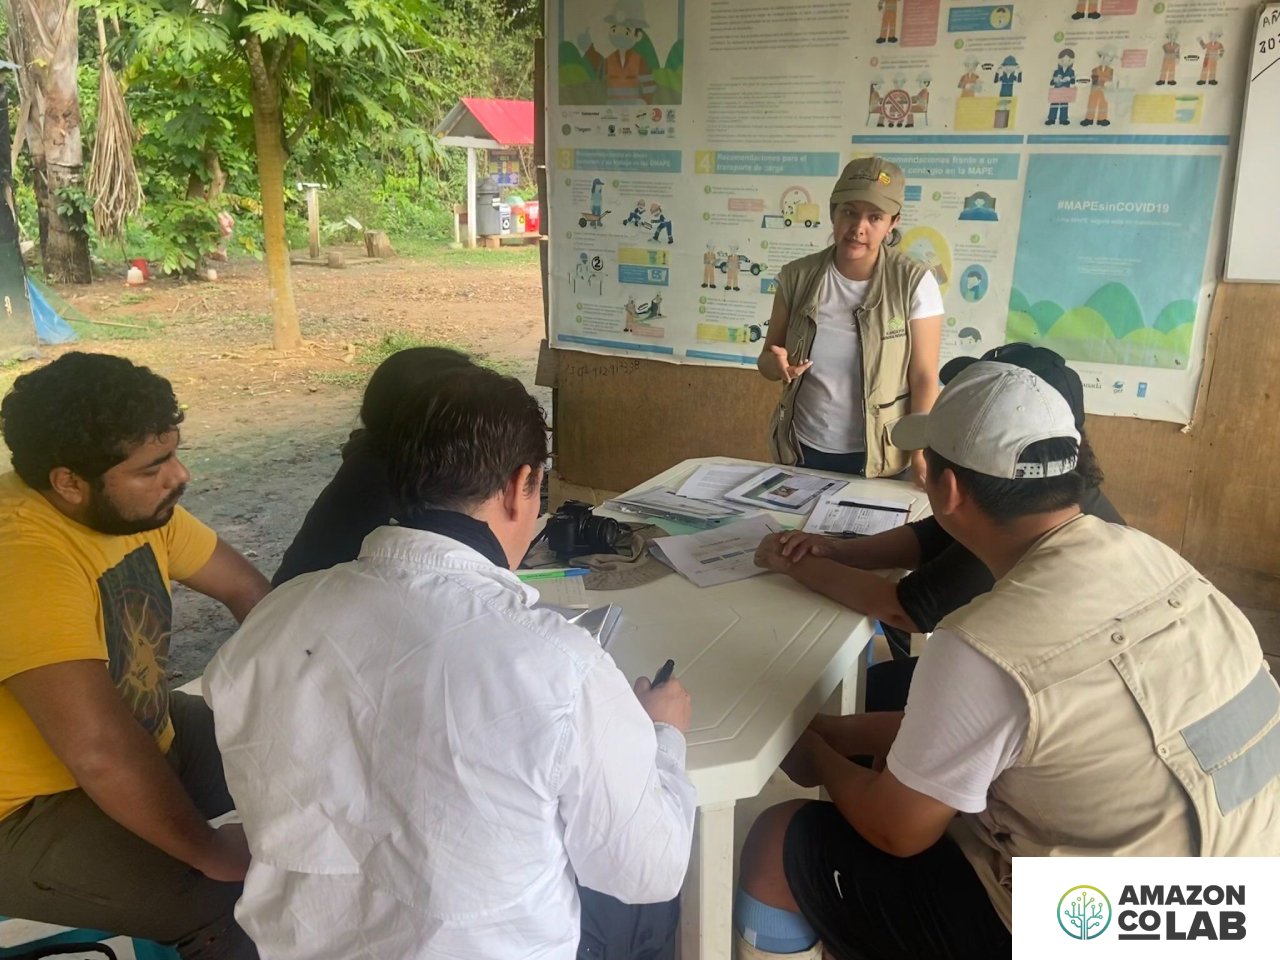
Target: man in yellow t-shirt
x: 107, y: 778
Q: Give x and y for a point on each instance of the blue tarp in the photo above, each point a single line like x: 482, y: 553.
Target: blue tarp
x: 50, y: 327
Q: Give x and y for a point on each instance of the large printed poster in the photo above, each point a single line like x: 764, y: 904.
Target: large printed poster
x: 1065, y: 160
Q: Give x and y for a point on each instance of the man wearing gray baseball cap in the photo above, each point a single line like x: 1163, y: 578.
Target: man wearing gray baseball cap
x: 1103, y: 699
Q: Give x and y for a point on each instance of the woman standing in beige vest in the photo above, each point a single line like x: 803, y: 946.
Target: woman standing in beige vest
x: 854, y: 336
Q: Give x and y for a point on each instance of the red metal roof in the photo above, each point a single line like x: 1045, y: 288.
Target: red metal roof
x: 510, y: 122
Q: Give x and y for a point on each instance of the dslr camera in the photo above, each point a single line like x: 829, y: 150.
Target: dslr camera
x: 572, y: 531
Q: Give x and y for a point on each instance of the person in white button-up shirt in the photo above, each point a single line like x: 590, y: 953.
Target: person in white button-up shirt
x: 423, y: 761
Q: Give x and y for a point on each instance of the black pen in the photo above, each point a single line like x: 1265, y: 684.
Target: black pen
x: 663, y: 674
x: 872, y: 506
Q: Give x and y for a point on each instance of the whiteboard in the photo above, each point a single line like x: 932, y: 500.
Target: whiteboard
x: 1253, y: 247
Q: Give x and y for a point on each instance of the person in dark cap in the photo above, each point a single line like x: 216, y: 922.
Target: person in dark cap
x: 944, y: 575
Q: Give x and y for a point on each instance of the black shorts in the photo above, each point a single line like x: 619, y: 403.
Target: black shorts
x: 866, y: 904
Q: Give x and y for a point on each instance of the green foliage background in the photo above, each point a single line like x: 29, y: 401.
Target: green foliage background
x: 374, y: 150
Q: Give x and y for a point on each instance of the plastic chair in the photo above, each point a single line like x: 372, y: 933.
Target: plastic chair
x: 83, y: 941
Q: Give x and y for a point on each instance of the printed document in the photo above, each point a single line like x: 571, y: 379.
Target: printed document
x: 712, y: 481
x: 780, y: 489
x: 720, y: 555
x: 846, y: 515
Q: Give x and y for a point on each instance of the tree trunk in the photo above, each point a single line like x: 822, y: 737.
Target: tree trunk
x: 66, y: 254
x: 23, y: 38
x: 197, y: 189
x: 40, y: 187
x: 268, y: 131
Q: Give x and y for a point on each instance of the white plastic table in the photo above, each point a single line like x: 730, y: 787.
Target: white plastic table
x: 760, y: 658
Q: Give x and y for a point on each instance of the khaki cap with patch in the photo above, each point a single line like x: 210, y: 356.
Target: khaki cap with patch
x: 871, y: 180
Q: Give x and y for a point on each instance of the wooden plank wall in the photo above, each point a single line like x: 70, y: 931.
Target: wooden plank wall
x: 1212, y: 492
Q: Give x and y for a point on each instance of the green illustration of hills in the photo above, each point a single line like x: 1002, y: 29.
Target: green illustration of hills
x: 582, y: 77
x: 1108, y: 328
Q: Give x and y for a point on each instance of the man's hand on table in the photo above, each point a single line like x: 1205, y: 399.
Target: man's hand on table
x: 669, y: 702
x: 780, y: 551
x: 796, y: 545
x: 769, y: 554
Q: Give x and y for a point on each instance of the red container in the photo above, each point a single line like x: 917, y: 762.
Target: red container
x: 532, y: 217
x: 141, y: 265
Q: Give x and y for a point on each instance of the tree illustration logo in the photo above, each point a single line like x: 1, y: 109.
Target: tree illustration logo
x: 1084, y: 912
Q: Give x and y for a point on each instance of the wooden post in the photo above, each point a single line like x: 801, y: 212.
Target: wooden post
x: 471, y: 197
x: 313, y: 221
x: 377, y: 245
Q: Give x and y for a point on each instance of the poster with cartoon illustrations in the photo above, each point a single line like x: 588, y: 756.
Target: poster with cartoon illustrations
x: 1066, y: 164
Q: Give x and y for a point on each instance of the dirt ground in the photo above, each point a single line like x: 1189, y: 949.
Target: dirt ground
x: 263, y: 429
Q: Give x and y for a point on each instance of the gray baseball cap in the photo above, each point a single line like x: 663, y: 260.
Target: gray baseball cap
x: 987, y: 416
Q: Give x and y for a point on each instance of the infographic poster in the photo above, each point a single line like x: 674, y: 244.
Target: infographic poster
x: 1065, y: 165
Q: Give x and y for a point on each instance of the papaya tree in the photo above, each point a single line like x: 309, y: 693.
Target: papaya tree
x: 43, y: 37
x: 323, y: 69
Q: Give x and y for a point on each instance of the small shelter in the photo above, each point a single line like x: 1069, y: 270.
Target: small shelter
x: 499, y: 126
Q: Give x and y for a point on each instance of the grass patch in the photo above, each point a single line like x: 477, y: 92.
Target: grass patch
x: 339, y: 378
x: 138, y: 328
x: 9, y: 370
x: 442, y: 254
x: 129, y: 298
x: 370, y: 355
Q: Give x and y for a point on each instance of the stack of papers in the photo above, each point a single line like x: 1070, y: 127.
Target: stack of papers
x: 780, y: 489
x: 713, y: 481
x: 662, y: 504
x: 848, y: 515
x: 720, y: 555
x: 558, y: 588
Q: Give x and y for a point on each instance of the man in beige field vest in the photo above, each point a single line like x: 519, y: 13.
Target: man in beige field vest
x: 1104, y: 699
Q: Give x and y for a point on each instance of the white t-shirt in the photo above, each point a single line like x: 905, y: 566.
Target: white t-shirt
x: 829, y: 413
x: 966, y: 723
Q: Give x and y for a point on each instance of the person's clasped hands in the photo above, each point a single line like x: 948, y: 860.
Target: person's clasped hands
x: 778, y: 551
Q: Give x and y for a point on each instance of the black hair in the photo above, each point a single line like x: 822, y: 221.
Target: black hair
x: 1007, y: 500
x: 458, y: 441
x: 85, y: 412
x: 401, y: 375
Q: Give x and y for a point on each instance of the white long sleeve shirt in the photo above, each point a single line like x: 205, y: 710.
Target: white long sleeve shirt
x: 424, y: 763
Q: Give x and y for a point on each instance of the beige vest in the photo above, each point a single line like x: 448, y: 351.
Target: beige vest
x: 884, y: 331
x: 1154, y: 720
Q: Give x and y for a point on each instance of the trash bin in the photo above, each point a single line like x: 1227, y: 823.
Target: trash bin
x: 504, y: 219
x: 488, y: 215
x: 532, y: 216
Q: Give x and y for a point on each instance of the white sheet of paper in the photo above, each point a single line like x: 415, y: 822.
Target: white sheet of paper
x: 712, y: 481
x: 780, y: 489
x: 562, y: 592
x: 720, y: 555
x: 847, y: 514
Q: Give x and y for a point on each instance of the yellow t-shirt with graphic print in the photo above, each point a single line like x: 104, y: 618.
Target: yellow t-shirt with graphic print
x: 70, y: 593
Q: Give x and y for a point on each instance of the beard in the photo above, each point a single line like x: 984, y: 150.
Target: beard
x: 105, y: 517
